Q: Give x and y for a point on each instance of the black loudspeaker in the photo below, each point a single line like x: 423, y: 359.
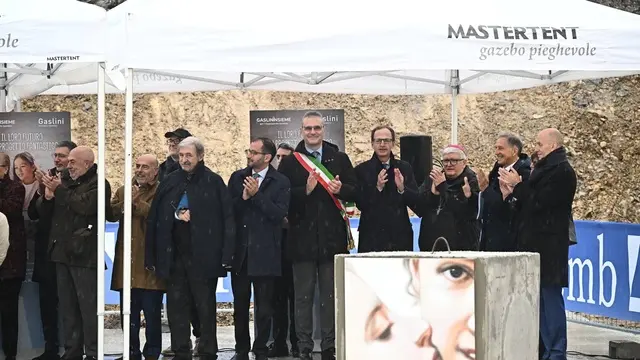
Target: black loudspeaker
x: 416, y: 150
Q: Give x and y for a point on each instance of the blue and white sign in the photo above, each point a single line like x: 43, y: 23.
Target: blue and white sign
x: 604, y: 277
x: 604, y: 270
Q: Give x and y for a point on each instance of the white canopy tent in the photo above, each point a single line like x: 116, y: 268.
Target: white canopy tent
x: 44, y: 43
x: 407, y: 47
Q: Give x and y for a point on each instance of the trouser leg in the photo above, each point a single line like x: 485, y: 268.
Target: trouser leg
x: 179, y: 310
x: 87, y: 298
x: 48, y: 296
x: 304, y: 280
x: 70, y: 310
x: 241, y: 288
x: 9, y: 302
x: 553, y: 324
x: 151, y: 301
x: 327, y: 305
x: 262, y: 297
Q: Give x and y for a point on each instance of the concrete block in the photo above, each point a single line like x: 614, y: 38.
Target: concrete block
x: 628, y: 350
x: 418, y: 305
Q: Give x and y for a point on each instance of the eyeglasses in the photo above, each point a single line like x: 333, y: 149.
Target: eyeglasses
x: 253, y: 152
x: 382, y: 141
x: 451, y: 161
x: 309, y: 128
x: 173, y: 141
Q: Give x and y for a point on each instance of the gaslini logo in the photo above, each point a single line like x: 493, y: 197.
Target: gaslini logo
x: 554, y: 42
x: 9, y: 41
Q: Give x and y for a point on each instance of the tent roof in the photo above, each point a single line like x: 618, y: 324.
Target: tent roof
x: 39, y: 31
x: 353, y: 46
x: 282, y: 36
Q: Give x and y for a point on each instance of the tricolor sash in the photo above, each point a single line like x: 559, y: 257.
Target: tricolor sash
x: 346, y: 209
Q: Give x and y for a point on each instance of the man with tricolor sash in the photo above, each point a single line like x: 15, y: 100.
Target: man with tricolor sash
x: 323, y: 185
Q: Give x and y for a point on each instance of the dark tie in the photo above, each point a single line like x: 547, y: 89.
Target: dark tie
x: 316, y: 155
x: 385, y: 166
x: 256, y: 176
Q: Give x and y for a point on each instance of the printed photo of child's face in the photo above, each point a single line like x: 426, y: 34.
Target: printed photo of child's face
x: 409, y: 309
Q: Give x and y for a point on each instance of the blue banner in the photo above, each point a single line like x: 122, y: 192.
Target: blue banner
x: 604, y: 270
x: 604, y: 277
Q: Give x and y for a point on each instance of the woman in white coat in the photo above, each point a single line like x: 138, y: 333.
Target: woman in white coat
x: 4, y: 237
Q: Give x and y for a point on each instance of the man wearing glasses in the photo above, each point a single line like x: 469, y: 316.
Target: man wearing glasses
x: 323, y: 181
x: 171, y: 163
x: 283, y: 300
x: 448, y: 204
x: 384, y: 219
x: 44, y: 271
x: 260, y: 197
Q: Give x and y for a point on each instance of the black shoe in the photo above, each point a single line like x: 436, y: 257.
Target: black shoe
x: 90, y: 358
x: 295, y: 352
x: 277, y: 351
x: 329, y: 354
x: 10, y: 358
x: 261, y: 357
x: 305, y: 355
x: 240, y: 356
x: 48, y: 356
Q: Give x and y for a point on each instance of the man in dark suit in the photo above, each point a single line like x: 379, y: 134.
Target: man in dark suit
x: 168, y: 166
x: 544, y: 208
x: 497, y: 213
x: 260, y: 200
x: 44, y: 271
x: 189, y: 243
x: 322, y: 179
x: 284, y: 322
x: 384, y: 219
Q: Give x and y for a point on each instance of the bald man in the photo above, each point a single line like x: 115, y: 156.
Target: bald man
x: 71, y: 200
x: 544, y: 204
x: 146, y: 289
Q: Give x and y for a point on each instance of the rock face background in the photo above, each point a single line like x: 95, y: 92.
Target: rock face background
x: 599, y: 119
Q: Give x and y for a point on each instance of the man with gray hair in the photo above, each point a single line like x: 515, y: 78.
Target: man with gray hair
x: 497, y: 208
x: 190, y: 244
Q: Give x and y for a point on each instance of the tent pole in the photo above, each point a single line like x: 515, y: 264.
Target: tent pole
x: 126, y: 238
x: 3, y: 90
x: 455, y: 87
x: 101, y: 207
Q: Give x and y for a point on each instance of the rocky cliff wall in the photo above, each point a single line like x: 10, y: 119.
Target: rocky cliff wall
x: 599, y: 118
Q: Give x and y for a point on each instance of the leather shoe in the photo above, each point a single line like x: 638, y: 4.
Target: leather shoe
x: 262, y: 357
x: 305, y: 355
x: 329, y: 354
x: 240, y: 356
x: 277, y: 351
x: 295, y: 352
x: 48, y: 356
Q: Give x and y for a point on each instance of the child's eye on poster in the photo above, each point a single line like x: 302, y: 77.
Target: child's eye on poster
x: 409, y: 309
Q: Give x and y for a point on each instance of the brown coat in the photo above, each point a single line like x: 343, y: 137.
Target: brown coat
x: 141, y: 278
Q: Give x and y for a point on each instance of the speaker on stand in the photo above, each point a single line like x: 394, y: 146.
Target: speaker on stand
x: 417, y: 151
